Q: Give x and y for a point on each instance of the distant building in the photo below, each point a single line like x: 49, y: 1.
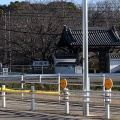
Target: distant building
x: 66, y: 64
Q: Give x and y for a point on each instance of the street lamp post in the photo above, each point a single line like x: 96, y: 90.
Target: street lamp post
x: 86, y: 83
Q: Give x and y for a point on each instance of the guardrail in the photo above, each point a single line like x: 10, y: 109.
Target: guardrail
x: 67, y: 95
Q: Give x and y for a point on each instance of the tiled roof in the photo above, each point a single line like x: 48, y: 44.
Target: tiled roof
x: 97, y: 36
x: 114, y: 56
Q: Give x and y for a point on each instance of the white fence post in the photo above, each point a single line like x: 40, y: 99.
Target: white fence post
x: 59, y: 86
x: 107, y: 104
x: 66, y: 98
x: 86, y: 98
x: 103, y: 87
x: 103, y: 83
x: 32, y: 98
x: 3, y: 96
x: 22, y: 85
x: 40, y: 78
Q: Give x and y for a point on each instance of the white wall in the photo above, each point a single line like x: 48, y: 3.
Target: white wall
x: 68, y: 70
x: 64, y: 70
x: 114, y: 65
x: 78, y: 69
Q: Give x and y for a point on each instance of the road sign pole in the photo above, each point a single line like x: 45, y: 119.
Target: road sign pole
x: 86, y: 83
x: 107, y: 104
x: 108, y: 85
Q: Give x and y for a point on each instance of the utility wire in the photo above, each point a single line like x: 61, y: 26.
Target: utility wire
x: 30, y: 32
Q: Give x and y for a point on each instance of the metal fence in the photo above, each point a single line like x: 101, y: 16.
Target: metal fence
x: 50, y: 69
x: 102, y: 102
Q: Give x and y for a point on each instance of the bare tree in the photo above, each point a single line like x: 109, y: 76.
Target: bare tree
x: 105, y: 13
x: 36, y: 28
x: 40, y: 26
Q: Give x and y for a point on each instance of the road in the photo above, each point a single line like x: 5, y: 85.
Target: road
x: 20, y: 110
x: 8, y: 114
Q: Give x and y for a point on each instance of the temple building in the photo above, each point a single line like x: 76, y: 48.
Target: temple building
x: 101, y: 40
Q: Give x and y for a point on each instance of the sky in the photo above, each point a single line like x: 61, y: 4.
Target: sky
x: 2, y: 2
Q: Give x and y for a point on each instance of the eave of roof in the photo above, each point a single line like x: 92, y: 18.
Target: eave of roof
x: 65, y: 56
x: 97, y: 36
x: 114, y: 56
x: 66, y: 63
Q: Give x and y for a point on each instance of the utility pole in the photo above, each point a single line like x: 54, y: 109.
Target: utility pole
x: 5, y: 40
x: 9, y: 45
x: 86, y: 82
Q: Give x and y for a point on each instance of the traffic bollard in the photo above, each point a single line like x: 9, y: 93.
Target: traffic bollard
x: 32, y: 98
x: 66, y: 98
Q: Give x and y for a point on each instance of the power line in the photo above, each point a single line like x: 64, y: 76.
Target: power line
x: 30, y: 32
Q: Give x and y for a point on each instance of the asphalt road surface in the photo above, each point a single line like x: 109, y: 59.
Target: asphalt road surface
x: 7, y: 114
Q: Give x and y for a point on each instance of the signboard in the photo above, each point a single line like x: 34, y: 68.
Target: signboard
x: 40, y: 63
x: 108, y: 83
x: 5, y: 71
x: 63, y: 83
